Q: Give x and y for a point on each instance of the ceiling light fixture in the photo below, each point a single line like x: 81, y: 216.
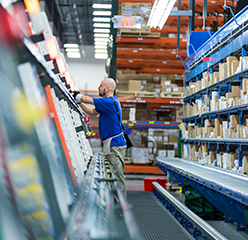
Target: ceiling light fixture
x: 101, y: 25
x: 101, y: 19
x: 101, y: 39
x: 101, y: 51
x: 101, y: 35
x: 73, y: 55
x: 160, y: 12
x: 101, y: 56
x: 72, y: 50
x: 100, y: 46
x: 103, y: 6
x: 101, y: 30
x: 102, y: 13
x: 72, y: 45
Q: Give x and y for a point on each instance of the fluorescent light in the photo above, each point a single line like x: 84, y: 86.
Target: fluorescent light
x: 101, y: 39
x: 101, y: 51
x: 160, y: 12
x: 100, y: 43
x: 101, y: 30
x: 73, y: 55
x: 106, y: 6
x: 100, y: 47
x: 101, y: 19
x: 101, y: 56
x: 101, y: 35
x: 73, y: 45
x: 102, y: 13
x: 101, y: 25
x: 72, y: 50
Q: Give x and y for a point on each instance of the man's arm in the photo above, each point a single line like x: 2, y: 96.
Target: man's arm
x: 88, y: 110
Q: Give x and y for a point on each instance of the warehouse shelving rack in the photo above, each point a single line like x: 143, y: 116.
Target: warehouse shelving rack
x: 231, y: 39
x: 226, y: 195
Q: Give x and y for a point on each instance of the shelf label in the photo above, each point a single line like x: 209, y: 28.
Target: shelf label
x: 166, y: 122
x: 151, y: 122
x: 130, y: 125
x: 133, y: 121
x: 124, y: 121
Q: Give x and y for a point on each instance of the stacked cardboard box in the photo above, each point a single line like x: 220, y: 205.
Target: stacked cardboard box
x: 226, y: 69
x: 218, y: 128
x: 162, y: 143
x: 234, y: 98
x: 148, y: 82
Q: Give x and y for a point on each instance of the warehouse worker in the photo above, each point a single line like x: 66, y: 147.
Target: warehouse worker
x: 111, y: 133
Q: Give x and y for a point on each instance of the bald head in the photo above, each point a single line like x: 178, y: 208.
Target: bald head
x: 107, y: 87
x: 109, y: 82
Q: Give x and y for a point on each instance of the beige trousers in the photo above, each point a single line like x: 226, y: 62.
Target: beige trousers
x: 116, y: 159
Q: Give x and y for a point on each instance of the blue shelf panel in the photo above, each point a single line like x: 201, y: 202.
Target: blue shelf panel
x: 234, y: 78
x: 226, y: 51
x: 235, y: 109
x: 221, y: 141
x: 150, y: 124
x: 225, y: 30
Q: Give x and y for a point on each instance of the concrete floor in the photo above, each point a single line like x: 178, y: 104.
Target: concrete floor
x: 135, y: 182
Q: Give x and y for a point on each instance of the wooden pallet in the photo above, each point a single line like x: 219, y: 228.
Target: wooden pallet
x: 171, y: 95
x: 125, y: 94
x: 136, y: 94
x: 140, y: 34
x: 145, y: 94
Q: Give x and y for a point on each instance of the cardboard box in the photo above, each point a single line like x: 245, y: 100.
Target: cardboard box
x: 140, y: 154
x: 166, y: 83
x: 245, y: 164
x: 229, y: 61
x: 216, y: 77
x: 234, y: 121
x: 177, y: 89
x: 148, y: 87
x: 234, y: 66
x: 141, y: 115
x: 173, y: 139
x: 236, y: 91
x: 223, y: 71
x: 134, y: 86
x: 122, y: 87
x: 179, y: 114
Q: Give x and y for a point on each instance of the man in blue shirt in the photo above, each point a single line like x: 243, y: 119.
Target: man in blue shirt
x: 111, y: 133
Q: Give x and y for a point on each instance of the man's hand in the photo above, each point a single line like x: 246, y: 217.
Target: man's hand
x: 77, y: 96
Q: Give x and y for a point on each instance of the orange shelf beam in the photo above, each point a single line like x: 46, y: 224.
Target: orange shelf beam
x: 150, y: 54
x: 142, y: 169
x: 159, y: 100
x: 140, y: 63
x: 162, y: 42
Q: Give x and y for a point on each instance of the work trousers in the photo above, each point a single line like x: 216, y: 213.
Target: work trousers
x: 116, y: 159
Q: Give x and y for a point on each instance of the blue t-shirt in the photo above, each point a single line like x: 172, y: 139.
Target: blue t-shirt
x: 109, y: 123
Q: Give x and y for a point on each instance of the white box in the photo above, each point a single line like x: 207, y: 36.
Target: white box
x: 171, y: 153
x: 140, y: 154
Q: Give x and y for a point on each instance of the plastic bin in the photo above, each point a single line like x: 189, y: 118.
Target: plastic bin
x: 148, y: 183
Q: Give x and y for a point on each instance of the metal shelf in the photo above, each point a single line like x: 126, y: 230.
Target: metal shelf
x: 235, y: 110
x: 222, y: 141
x: 227, y: 190
x: 235, y: 78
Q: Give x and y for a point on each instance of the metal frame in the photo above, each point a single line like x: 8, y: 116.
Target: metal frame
x: 191, y: 222
x: 216, y: 41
